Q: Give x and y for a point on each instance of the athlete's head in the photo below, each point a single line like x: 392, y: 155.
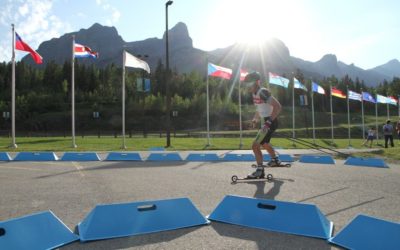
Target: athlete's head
x: 252, y: 80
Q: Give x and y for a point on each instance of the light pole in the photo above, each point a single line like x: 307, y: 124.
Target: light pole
x: 167, y: 93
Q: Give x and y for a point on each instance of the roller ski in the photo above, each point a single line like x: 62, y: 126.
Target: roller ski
x: 259, y: 174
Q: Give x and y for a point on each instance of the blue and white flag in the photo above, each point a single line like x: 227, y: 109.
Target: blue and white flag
x: 278, y: 80
x: 368, y: 97
x: 354, y: 96
x: 381, y: 99
x: 298, y: 84
x: 317, y: 88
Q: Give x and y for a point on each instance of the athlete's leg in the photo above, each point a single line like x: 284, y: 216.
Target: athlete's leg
x: 257, y: 146
x: 269, y: 149
x: 257, y: 152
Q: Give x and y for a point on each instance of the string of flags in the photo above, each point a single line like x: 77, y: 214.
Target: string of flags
x: 275, y: 79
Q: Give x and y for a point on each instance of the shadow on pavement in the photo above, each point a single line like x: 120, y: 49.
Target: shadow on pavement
x: 269, y: 240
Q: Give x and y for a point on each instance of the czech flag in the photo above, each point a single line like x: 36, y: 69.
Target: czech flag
x: 337, y: 93
x: 21, y: 45
x: 84, y: 51
x: 218, y: 71
x: 318, y: 89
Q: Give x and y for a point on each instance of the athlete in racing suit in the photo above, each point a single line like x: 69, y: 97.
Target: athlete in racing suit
x: 267, y: 111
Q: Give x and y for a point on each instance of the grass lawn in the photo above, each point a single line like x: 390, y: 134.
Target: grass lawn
x: 93, y: 143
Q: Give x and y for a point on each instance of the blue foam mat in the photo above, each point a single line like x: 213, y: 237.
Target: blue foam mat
x: 37, y: 231
x: 202, y: 157
x: 120, y: 156
x: 365, y: 233
x: 238, y: 157
x: 127, y: 219
x: 36, y: 156
x: 164, y: 157
x: 320, y: 159
x: 279, y: 216
x: 4, y: 156
x: 157, y: 149
x: 282, y: 157
x: 80, y: 156
x: 366, y: 162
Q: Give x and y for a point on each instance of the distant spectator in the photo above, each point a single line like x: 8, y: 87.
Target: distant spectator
x: 370, y: 138
x: 388, y: 133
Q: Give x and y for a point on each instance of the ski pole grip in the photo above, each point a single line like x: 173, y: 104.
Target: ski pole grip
x: 266, y: 206
x: 146, y: 208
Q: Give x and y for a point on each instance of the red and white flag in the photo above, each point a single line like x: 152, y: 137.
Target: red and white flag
x: 21, y: 45
x: 84, y: 51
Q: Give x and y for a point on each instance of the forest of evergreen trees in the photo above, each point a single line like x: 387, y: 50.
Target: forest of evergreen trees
x: 43, y: 99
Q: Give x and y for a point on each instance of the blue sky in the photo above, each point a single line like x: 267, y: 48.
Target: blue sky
x: 363, y: 32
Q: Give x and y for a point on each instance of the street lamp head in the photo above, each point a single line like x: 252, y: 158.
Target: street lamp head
x: 168, y: 3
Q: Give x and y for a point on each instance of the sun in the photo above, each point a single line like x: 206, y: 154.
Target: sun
x: 253, y: 22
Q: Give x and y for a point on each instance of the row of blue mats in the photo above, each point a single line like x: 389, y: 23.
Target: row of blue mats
x: 174, y: 156
x: 44, y: 230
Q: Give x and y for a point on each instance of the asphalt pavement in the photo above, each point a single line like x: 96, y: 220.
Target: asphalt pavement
x: 72, y: 189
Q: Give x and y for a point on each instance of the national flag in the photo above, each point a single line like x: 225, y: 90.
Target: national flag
x: 337, y: 93
x: 298, y: 84
x: 278, y: 80
x: 354, y: 96
x: 243, y: 74
x: 218, y: 71
x: 21, y: 45
x: 84, y: 51
x: 392, y: 100
x: 134, y: 62
x: 368, y: 97
x: 381, y: 99
x: 317, y: 88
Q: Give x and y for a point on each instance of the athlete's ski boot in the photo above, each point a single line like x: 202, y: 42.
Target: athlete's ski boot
x: 259, y: 173
x: 274, y: 162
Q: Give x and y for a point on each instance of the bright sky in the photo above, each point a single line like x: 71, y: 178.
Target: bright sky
x: 363, y: 32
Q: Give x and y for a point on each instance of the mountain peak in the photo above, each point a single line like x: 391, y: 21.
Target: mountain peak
x: 178, y: 37
x: 389, y: 69
x: 328, y: 58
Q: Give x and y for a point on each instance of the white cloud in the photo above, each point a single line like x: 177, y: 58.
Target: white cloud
x: 23, y: 10
x: 115, y: 14
x: 33, y: 21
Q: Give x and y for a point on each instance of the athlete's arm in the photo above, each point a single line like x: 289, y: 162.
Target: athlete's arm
x: 277, y: 107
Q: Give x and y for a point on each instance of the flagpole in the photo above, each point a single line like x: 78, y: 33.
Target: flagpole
x: 312, y: 112
x: 13, y: 143
x: 362, y: 115
x: 330, y: 86
x: 240, y: 115
x: 348, y: 116
x: 376, y: 120
x: 73, y: 93
x: 208, y: 115
x: 293, y: 114
x: 123, y: 101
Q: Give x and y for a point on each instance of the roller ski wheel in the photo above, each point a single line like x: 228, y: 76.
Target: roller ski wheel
x: 235, y: 178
